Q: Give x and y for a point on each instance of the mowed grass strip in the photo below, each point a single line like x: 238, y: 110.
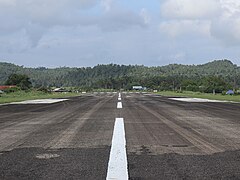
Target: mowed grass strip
x: 31, y: 95
x: 235, y: 98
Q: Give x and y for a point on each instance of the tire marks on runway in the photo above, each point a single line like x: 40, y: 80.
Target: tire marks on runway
x: 219, y: 128
x: 65, y: 138
x: 205, y: 146
x: 38, y: 129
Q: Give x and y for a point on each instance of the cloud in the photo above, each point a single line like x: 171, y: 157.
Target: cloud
x: 36, y: 16
x: 107, y: 4
x: 188, y: 17
x: 145, y: 15
x: 175, y: 28
x: 34, y: 32
x: 88, y: 32
x: 42, y: 9
x: 189, y: 9
x: 227, y: 31
x: 226, y: 28
x: 120, y: 20
x: 7, y: 2
x: 230, y: 7
x: 219, y: 19
x: 178, y: 56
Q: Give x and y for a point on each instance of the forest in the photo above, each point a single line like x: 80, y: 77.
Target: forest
x: 218, y: 75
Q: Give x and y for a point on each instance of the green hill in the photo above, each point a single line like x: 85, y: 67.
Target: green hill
x: 122, y: 76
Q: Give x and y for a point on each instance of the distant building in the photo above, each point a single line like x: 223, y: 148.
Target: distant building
x: 59, y: 90
x: 139, y: 88
x: 6, y: 87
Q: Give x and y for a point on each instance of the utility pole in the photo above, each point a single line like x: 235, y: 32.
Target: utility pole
x: 234, y: 79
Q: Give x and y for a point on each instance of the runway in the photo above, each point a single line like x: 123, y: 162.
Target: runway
x: 164, y: 138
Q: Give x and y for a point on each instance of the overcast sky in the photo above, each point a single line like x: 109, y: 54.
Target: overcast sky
x: 80, y: 33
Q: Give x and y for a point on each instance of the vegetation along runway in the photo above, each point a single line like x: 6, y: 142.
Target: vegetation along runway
x: 122, y: 136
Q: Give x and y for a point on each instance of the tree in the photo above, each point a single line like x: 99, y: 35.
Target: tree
x: 20, y: 80
x: 214, y: 84
x: 169, y: 77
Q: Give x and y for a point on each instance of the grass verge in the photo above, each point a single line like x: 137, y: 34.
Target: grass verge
x: 22, y: 96
x: 191, y: 94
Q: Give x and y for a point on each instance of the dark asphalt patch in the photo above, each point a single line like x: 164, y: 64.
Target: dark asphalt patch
x: 174, y: 166
x: 78, y: 163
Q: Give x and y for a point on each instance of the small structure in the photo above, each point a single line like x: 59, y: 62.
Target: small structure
x: 59, y: 90
x: 137, y: 88
x: 1, y: 92
x: 230, y: 92
x: 6, y: 87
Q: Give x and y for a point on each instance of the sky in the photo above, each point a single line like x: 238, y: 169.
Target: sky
x: 80, y: 33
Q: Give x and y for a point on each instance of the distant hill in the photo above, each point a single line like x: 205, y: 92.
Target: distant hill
x: 122, y: 76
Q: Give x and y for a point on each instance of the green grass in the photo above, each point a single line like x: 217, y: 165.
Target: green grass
x: 191, y: 94
x: 22, y: 96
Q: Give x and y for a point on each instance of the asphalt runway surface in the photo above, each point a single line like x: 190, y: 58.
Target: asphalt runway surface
x: 165, y: 139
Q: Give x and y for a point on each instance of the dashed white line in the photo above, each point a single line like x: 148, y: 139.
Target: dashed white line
x: 119, y: 105
x: 119, y: 99
x: 117, y: 165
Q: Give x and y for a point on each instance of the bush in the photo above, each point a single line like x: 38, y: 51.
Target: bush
x: 44, y: 89
x: 11, y: 90
x: 20, y: 80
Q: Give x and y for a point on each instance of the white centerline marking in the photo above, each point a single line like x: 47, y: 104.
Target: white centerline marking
x: 119, y: 95
x: 119, y: 99
x: 117, y: 165
x: 119, y: 105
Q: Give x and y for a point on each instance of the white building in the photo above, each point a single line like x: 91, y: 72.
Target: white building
x: 137, y: 88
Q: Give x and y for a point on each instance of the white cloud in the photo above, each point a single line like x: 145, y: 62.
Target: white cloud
x: 226, y: 28
x: 88, y: 32
x: 190, y: 9
x: 176, y: 28
x: 219, y: 19
x: 230, y: 7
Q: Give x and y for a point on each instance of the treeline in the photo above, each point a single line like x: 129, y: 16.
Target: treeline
x: 218, y: 75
